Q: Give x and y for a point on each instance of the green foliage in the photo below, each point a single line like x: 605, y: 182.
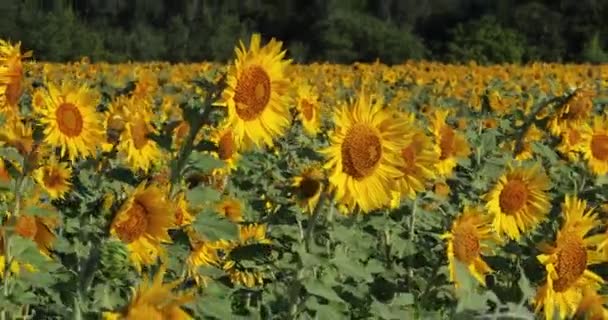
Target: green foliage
x: 485, y: 41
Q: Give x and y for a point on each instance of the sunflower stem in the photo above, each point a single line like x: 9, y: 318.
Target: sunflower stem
x: 412, y: 235
x: 8, y: 260
x: 519, y: 142
x: 310, y: 228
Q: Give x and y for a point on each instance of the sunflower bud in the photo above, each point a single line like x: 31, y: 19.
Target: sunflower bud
x: 114, y: 259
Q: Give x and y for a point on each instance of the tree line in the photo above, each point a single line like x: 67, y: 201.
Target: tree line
x: 339, y: 31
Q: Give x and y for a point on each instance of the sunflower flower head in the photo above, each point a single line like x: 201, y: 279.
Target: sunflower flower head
x: 54, y: 177
x: 11, y: 73
x: 364, y: 158
x: 142, y: 223
x: 257, y: 93
x: 70, y: 119
x: 595, y: 145
x: 519, y: 200
x: 566, y: 263
x: 453, y: 145
x: 157, y: 300
x: 468, y: 239
x: 308, y: 106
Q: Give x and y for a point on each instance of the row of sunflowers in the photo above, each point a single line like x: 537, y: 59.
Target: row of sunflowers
x: 266, y: 189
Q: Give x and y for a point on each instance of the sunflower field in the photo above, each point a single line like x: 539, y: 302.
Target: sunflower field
x: 263, y: 189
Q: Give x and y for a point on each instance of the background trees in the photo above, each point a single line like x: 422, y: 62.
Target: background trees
x: 339, y: 31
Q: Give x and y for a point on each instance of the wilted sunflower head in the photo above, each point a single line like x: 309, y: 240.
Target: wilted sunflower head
x: 308, y: 185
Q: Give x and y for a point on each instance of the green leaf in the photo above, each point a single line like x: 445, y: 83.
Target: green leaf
x: 545, y: 151
x: 205, y: 162
x: 350, y: 267
x: 326, y: 311
x: 39, y: 211
x: 318, y: 288
x: 11, y: 154
x: 524, y: 286
x: 214, y: 226
x: 202, y: 195
x: 404, y: 299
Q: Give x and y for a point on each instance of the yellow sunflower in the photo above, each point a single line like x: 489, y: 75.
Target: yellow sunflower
x: 11, y: 74
x: 308, y: 186
x: 54, y: 178
x: 155, y: 300
x: 567, y: 261
x: 467, y: 241
x: 572, y: 143
x: 231, y: 208
x: 70, y: 119
x: 256, y: 93
x: 18, y: 134
x: 533, y: 134
x: 420, y: 157
x: 452, y: 144
x: 575, y: 111
x: 309, y: 109
x: 595, y: 146
x: 207, y: 254
x: 248, y: 235
x: 519, y: 200
x: 142, y: 223
x: 227, y: 149
x: 592, y: 305
x: 364, y: 158
x: 141, y: 151
x: 183, y: 216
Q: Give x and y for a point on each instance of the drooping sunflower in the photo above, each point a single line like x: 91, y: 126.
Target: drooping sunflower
x: 155, y: 300
x: 519, y: 200
x: 257, y: 93
x: 250, y: 234
x: 567, y: 261
x: 308, y: 106
x: 364, y: 158
x: 595, y: 146
x: 142, y: 223
x: 420, y: 157
x: 54, y: 178
x: 141, y: 151
x: 308, y: 186
x: 574, y: 112
x: 11, y: 74
x: 467, y: 241
x: 70, y: 120
x: 453, y: 145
